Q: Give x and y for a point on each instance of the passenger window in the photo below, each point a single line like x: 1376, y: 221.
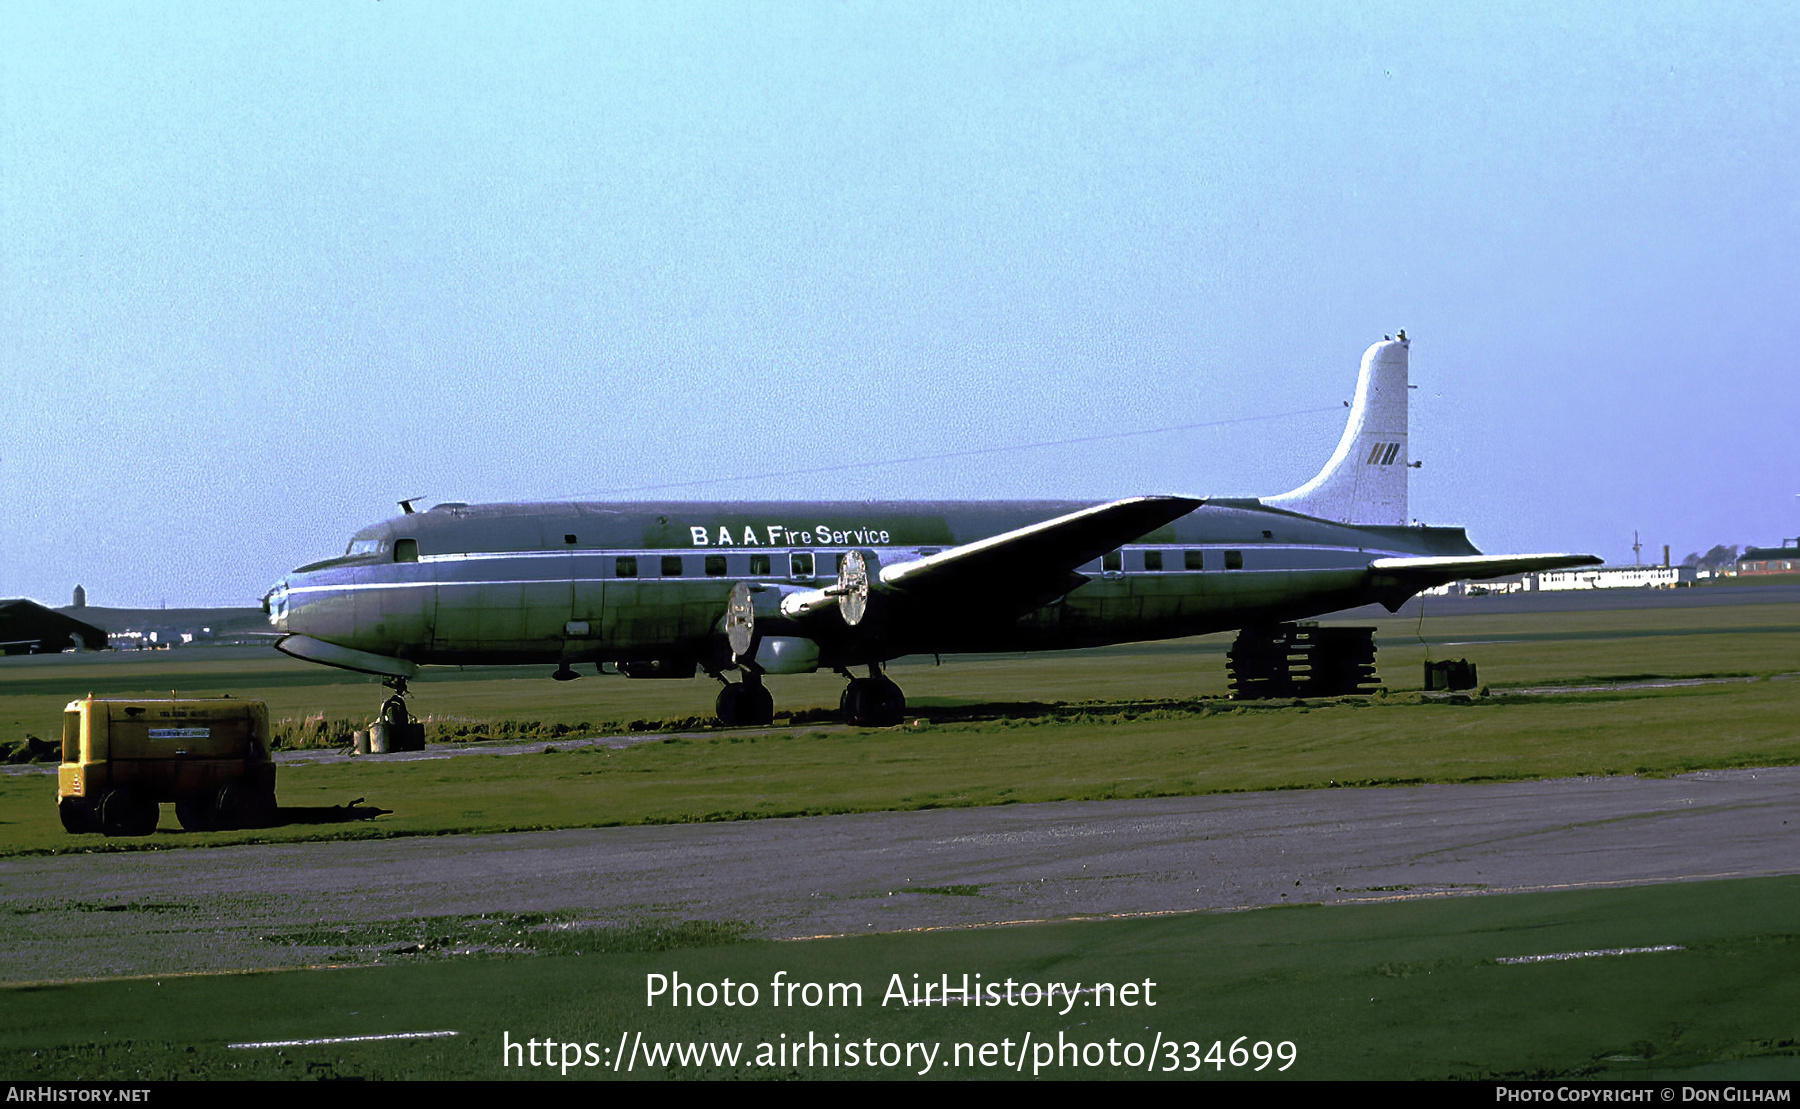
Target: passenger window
x: 1194, y: 560
x: 759, y: 566
x: 715, y: 566
x: 1152, y: 560
x: 1234, y: 560
x: 671, y: 566
x: 1112, y: 562
x: 625, y: 567
x: 800, y: 564
x: 406, y: 550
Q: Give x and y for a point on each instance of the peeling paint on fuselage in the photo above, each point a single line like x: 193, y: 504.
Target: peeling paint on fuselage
x: 532, y: 583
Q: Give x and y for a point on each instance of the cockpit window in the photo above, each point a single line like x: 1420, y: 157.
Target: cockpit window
x: 363, y: 546
x: 406, y: 550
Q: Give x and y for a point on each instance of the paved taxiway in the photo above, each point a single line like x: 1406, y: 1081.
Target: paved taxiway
x: 169, y: 911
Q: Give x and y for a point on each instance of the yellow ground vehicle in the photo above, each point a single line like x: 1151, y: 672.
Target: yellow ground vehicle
x: 122, y: 758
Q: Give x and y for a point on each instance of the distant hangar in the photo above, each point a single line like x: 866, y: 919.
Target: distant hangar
x: 28, y: 628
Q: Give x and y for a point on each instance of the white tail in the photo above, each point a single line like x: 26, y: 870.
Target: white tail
x: 1365, y: 481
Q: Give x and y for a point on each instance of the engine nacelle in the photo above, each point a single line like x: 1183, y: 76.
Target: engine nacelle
x: 787, y: 654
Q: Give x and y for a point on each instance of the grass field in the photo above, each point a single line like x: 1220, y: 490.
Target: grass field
x: 1106, y: 753
x: 1408, y: 989
x: 1138, y: 722
x: 1398, y: 990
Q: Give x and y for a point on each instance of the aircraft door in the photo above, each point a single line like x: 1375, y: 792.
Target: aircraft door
x: 587, y: 607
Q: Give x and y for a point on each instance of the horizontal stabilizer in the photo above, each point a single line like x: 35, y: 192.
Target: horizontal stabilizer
x: 317, y: 650
x: 1395, y: 580
x: 1478, y: 567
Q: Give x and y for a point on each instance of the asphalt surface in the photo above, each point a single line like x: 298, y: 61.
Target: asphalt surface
x: 77, y: 916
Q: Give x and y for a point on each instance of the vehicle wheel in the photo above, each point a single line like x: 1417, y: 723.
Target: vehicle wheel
x: 195, y: 816
x: 123, y: 813
x: 260, y: 808
x: 77, y: 815
x: 730, y: 705
x: 243, y: 806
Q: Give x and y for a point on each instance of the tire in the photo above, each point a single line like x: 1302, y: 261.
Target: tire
x: 887, y: 704
x: 241, y: 805
x: 758, y: 705
x: 730, y: 706
x: 77, y: 815
x: 123, y: 813
x: 851, y: 705
x: 742, y: 704
x: 873, y: 703
x: 196, y: 816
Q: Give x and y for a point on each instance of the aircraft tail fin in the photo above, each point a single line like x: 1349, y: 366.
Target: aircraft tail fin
x: 1365, y: 480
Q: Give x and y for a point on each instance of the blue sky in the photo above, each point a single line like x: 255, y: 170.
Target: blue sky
x: 266, y: 269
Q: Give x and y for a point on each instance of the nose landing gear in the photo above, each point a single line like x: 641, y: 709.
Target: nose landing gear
x: 873, y: 702
x: 398, y: 730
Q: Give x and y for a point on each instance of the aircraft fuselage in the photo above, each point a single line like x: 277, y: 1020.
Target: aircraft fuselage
x: 600, y: 583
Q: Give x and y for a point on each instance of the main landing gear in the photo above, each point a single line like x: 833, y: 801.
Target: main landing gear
x: 745, y: 702
x: 872, y: 702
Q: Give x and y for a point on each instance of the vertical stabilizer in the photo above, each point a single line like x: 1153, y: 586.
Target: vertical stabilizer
x: 1365, y: 481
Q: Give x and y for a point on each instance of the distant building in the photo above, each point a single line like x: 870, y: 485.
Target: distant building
x: 1588, y: 577
x: 1770, y: 560
x: 1617, y: 577
x: 80, y: 598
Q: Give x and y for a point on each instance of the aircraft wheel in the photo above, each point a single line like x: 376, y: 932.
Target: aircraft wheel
x: 77, y: 815
x: 730, y: 706
x: 873, y: 703
x: 123, y: 813
x: 745, y: 703
x: 888, y: 706
x: 758, y: 705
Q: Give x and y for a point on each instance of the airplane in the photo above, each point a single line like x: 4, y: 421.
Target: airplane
x: 671, y: 590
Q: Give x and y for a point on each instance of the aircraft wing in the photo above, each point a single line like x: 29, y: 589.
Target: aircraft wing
x: 1009, y: 574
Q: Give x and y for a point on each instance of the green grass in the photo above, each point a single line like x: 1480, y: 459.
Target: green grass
x: 1102, y: 753
x: 1399, y: 990
x: 1515, y: 650
x: 1407, y: 989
